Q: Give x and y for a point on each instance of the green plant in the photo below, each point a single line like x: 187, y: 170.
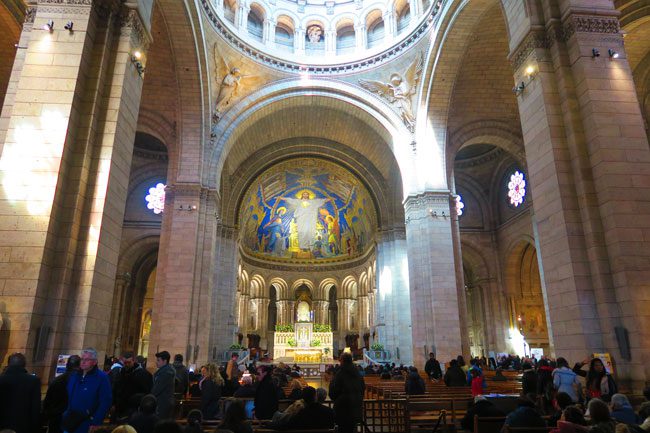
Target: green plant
x: 284, y: 328
x: 236, y: 347
x: 327, y: 350
x: 315, y: 342
x: 292, y: 342
x: 377, y: 346
x: 320, y: 327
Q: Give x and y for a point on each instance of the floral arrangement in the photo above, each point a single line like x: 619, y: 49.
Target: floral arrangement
x: 320, y: 327
x: 315, y: 342
x: 292, y: 342
x: 237, y: 347
x: 284, y: 328
x: 377, y: 346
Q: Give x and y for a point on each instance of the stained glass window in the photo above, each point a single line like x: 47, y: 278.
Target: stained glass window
x: 156, y: 198
x: 459, y: 205
x: 517, y: 188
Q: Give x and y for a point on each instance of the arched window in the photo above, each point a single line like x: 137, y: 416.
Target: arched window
x: 255, y: 24
x: 229, y: 8
x: 345, y: 38
x: 375, y: 28
x: 403, y: 17
x: 284, y: 33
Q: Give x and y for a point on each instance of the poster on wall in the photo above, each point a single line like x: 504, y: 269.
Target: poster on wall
x: 60, y: 364
x: 537, y: 352
x: 607, y: 361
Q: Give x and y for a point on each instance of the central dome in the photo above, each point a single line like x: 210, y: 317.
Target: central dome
x: 307, y: 211
x: 321, y: 32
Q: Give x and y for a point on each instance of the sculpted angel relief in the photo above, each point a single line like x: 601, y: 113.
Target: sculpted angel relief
x: 307, y: 209
x: 399, y: 90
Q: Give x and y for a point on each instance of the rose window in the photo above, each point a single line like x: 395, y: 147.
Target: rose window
x: 156, y: 198
x: 517, y: 188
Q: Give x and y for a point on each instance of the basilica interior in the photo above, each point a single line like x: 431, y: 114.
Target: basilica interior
x: 415, y: 176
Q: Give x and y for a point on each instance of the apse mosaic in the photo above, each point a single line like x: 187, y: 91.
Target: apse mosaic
x: 307, y: 209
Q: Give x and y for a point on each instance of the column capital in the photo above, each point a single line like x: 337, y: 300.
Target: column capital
x: 131, y: 20
x: 427, y: 204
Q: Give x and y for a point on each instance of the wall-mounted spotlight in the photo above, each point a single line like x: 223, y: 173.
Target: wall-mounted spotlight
x: 595, y: 52
x: 434, y: 214
x: 613, y: 54
x: 519, y: 88
x: 49, y: 26
x: 136, y: 58
x: 186, y: 207
x: 69, y: 25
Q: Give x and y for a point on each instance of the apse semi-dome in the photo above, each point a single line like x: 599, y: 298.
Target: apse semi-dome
x: 321, y: 32
x: 308, y: 211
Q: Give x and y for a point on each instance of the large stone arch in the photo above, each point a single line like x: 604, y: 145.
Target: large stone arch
x: 338, y: 100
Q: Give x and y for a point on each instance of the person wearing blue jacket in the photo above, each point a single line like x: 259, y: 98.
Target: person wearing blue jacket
x: 565, y: 380
x: 89, y: 396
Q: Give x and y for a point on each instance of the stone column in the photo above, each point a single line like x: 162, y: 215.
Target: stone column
x: 393, y: 303
x: 242, y: 16
x: 361, y: 35
x: 460, y: 277
x: 433, y: 287
x: 330, y: 42
x: 320, y: 311
x: 269, y: 32
x: 121, y: 283
x: 362, y: 314
x: 299, y: 41
x: 588, y: 161
x: 64, y: 169
x: 390, y: 23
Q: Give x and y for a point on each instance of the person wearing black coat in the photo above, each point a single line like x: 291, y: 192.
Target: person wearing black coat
x: 346, y: 390
x: 20, y: 397
x: 432, y: 367
x: 313, y: 416
x: 483, y: 408
x: 144, y: 420
x: 56, y: 398
x: 266, y: 396
x: 131, y: 384
x: 414, y: 385
x: 455, y: 376
x: 211, y: 386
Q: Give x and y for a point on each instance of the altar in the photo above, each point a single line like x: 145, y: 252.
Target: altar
x: 303, y: 345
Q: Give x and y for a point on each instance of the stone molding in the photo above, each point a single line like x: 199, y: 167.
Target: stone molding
x: 288, y: 266
x: 131, y: 24
x: 561, y: 32
x: 479, y: 160
x: 393, y: 234
x: 343, y: 68
x: 420, y: 206
x: 30, y: 14
x: 74, y: 7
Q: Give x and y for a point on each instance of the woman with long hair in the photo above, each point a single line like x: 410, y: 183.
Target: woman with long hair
x: 599, y: 383
x: 235, y: 418
x: 211, y: 385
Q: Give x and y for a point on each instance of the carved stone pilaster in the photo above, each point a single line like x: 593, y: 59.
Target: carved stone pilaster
x: 579, y: 23
x: 131, y: 24
x: 535, y: 39
x: 431, y: 204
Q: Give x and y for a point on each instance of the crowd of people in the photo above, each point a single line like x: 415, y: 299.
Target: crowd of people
x: 130, y: 396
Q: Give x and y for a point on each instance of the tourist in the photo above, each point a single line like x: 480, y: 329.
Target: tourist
x: 211, y: 386
x: 246, y: 390
x: 163, y: 385
x: 477, y: 382
x: 346, y: 390
x: 621, y: 410
x: 528, y: 379
x: 644, y: 416
x: 321, y: 395
x: 545, y: 387
x: 565, y: 380
x: 314, y: 415
x: 194, y: 420
x: 461, y: 363
x: 145, y: 418
x: 414, y: 385
x: 89, y: 395
x: 481, y: 407
x: 295, y: 392
x: 266, y: 397
x: 20, y: 397
x: 454, y: 376
x: 572, y: 420
x: 601, y: 421
x: 432, y: 367
x: 599, y: 383
x: 562, y: 401
x: 234, y: 419
x: 498, y: 376
x: 56, y: 398
x: 182, y: 381
x: 131, y: 384
x: 526, y: 415
x: 124, y: 428
x: 232, y: 372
